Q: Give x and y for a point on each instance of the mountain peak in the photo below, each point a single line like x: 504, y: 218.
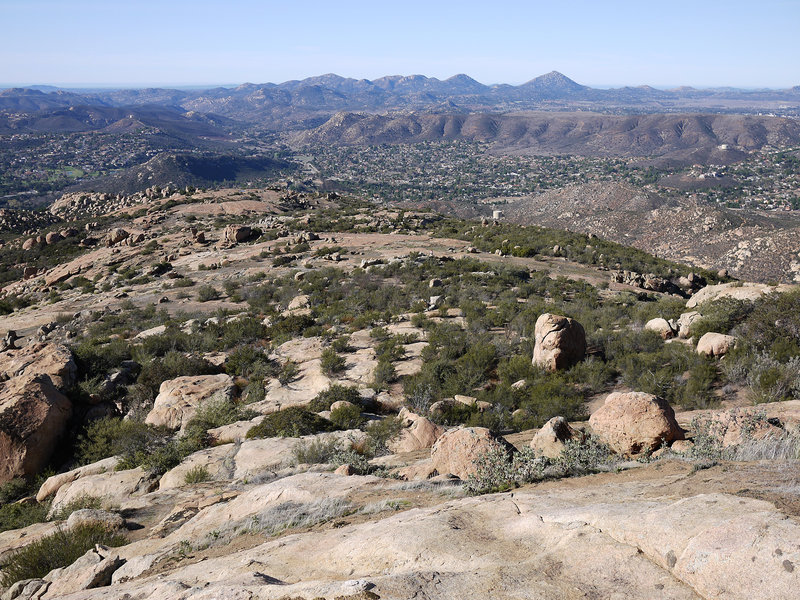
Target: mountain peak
x: 554, y: 82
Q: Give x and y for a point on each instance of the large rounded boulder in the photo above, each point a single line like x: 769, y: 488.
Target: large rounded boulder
x: 33, y: 416
x: 715, y: 344
x: 635, y: 422
x: 456, y: 451
x: 660, y: 326
x: 560, y: 342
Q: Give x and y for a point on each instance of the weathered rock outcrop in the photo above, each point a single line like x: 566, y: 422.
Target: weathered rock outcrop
x: 95, y: 516
x: 235, y: 234
x: 645, y: 281
x: 237, y: 461
x: 179, y: 398
x: 731, y: 428
x: 92, y: 570
x: 737, y: 291
x: 560, y: 342
x: 613, y: 541
x: 456, y: 451
x: 635, y: 422
x: 116, y: 236
x: 54, y: 483
x: 53, y: 360
x: 112, y: 488
x: 33, y: 416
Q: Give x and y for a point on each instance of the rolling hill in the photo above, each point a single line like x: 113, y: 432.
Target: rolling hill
x: 757, y: 246
x: 183, y: 169
x: 682, y: 139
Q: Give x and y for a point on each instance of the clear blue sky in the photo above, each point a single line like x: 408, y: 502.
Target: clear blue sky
x: 601, y: 43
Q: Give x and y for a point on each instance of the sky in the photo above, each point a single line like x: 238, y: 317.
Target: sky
x: 602, y: 43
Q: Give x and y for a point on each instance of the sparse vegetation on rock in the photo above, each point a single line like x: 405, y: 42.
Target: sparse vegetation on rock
x: 201, y: 421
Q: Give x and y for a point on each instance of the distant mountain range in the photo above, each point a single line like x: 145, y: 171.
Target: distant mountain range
x: 299, y: 100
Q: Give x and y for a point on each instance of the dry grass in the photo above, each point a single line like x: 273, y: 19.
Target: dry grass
x: 779, y: 448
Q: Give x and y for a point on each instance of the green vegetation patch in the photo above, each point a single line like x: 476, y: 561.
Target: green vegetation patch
x: 290, y: 422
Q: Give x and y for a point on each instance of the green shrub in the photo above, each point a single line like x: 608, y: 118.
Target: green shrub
x: 379, y: 333
x: 591, y: 375
x: 96, y: 357
x: 60, y: 549
x: 206, y: 293
x: 331, y: 362
x: 384, y: 374
x: 770, y: 380
x: 138, y: 445
x: 390, y: 349
x: 327, y: 250
x: 358, y: 462
x: 18, y: 515
x: 197, y: 474
x: 241, y: 330
x: 342, y: 344
x: 587, y: 456
x: 552, y: 396
x: 347, y: 417
x: 290, y: 326
x: 290, y: 422
x: 117, y: 437
x: 283, y: 260
x: 672, y: 371
x: 514, y: 368
x: 315, y: 452
x: 12, y: 302
x: 13, y: 490
x: 182, y: 282
x: 720, y: 316
x: 78, y: 503
x: 334, y: 393
x: 419, y: 319
x: 380, y: 433
x: 211, y: 414
x: 166, y: 457
x: 245, y: 359
x: 156, y: 371
x: 254, y: 391
x: 453, y: 414
x: 289, y: 372
x: 498, y: 470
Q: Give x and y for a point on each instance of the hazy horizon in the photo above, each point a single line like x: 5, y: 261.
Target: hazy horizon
x: 82, y: 86
x: 88, y: 43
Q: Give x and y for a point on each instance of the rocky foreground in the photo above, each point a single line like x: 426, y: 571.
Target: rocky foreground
x: 642, y: 533
x: 257, y: 473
